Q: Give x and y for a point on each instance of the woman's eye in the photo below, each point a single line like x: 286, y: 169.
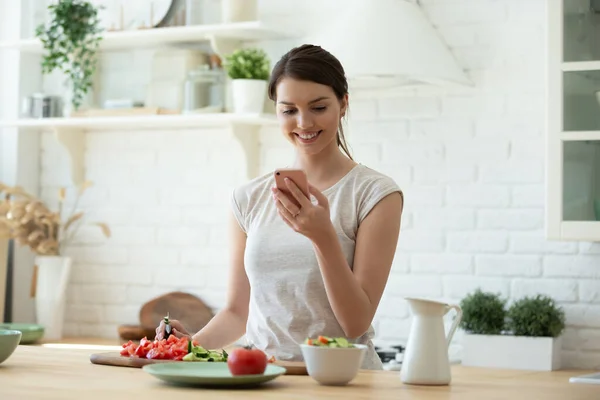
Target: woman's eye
x: 289, y: 112
x: 320, y: 109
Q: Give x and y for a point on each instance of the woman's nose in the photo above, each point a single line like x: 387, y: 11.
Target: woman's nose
x: 304, y: 121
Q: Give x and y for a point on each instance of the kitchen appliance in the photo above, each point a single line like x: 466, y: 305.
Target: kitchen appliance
x: 426, y: 360
x: 391, y: 357
x: 400, y: 48
x: 39, y: 105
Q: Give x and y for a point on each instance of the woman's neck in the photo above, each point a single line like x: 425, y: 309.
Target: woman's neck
x: 325, y: 168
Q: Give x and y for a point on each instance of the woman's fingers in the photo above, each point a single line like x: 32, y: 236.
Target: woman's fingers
x: 179, y: 334
x: 282, y: 198
x: 297, y: 193
x: 160, y: 330
x: 176, y: 326
x: 318, y: 195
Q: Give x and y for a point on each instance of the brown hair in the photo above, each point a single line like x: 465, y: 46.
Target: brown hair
x: 312, y: 63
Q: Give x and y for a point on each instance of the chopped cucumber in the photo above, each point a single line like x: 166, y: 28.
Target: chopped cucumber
x: 199, y: 353
x: 325, y: 341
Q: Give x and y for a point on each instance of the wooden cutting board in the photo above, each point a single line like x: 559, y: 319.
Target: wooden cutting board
x: 117, y: 360
x: 188, y: 309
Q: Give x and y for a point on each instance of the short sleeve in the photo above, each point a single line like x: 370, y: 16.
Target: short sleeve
x: 238, y: 213
x: 374, y: 191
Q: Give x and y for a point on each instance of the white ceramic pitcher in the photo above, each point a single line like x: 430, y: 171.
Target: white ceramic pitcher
x: 425, y: 359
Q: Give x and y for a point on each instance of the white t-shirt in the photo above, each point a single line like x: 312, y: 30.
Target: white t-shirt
x: 288, y: 302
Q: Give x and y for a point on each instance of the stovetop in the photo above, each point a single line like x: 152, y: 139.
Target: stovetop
x: 391, y: 356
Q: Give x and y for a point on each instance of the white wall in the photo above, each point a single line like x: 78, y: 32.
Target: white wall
x: 471, y: 164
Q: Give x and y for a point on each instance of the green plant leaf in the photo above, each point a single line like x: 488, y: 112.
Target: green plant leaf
x: 71, y: 42
x: 251, y: 63
x: 483, y: 313
x: 536, y: 316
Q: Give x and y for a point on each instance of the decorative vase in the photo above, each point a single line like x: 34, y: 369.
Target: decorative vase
x: 248, y: 95
x: 238, y: 10
x: 51, y: 280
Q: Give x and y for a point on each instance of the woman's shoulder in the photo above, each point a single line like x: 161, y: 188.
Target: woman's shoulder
x: 255, y: 185
x: 370, y: 187
x: 366, y: 177
x: 249, y: 196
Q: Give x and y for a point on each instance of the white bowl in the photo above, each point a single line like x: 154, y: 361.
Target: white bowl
x: 333, y: 365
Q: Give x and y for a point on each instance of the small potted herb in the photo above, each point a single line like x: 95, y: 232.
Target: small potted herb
x: 526, y: 336
x: 249, y: 70
x: 483, y: 313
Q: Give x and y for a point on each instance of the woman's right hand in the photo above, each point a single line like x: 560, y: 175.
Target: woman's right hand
x: 177, y: 329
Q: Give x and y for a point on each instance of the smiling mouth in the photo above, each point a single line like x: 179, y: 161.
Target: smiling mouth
x: 308, y: 137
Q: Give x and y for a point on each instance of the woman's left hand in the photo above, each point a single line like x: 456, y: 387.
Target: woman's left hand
x: 306, y: 218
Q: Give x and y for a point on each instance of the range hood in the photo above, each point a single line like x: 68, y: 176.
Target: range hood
x: 389, y: 44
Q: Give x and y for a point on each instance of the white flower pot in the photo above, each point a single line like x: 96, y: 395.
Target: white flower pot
x: 512, y: 352
x: 53, y: 274
x: 248, y: 95
x: 238, y: 10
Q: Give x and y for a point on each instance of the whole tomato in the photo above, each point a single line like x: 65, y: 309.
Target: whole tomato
x: 246, y: 361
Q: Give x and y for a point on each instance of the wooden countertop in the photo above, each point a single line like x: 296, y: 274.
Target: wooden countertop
x: 39, y: 372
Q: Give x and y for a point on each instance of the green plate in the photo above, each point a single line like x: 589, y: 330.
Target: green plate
x: 30, y: 333
x: 209, y: 374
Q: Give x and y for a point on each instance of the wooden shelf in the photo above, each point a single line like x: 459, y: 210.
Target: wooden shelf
x: 245, y: 128
x: 170, y: 36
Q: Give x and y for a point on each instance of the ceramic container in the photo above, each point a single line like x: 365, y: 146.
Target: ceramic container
x: 333, y: 365
x: 9, y: 340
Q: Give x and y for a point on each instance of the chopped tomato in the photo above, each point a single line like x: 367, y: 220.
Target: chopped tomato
x: 323, y: 340
x: 172, y: 348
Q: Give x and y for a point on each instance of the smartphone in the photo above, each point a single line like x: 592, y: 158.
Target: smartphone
x: 297, y: 176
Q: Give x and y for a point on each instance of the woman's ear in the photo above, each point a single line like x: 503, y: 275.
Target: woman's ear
x: 344, y: 106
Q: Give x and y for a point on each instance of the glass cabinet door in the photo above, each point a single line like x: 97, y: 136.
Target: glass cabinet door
x: 581, y: 180
x: 581, y: 101
x: 581, y: 24
x: 573, y: 136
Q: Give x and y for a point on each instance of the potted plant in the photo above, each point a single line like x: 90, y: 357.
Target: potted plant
x: 31, y: 223
x: 249, y: 70
x: 526, y: 336
x: 71, y: 42
x: 483, y: 313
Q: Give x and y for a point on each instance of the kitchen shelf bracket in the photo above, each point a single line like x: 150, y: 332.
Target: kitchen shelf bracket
x: 224, y: 46
x: 248, y: 137
x: 73, y: 140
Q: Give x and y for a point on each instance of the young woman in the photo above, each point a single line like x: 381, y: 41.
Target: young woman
x: 308, y: 267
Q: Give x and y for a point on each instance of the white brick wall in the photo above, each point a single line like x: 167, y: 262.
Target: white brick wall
x: 470, y: 163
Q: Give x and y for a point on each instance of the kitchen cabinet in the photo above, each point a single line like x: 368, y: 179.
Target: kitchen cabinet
x: 573, y: 125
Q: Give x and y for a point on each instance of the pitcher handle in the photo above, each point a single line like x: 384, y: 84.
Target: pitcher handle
x: 455, y: 323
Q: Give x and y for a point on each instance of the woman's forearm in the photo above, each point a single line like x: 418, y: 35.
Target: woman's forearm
x: 348, y: 300
x: 223, y: 329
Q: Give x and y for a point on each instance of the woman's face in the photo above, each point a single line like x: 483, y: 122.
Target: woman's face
x: 309, y: 114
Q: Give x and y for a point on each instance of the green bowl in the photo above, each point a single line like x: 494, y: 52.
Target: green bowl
x: 9, y: 340
x: 31, y: 333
